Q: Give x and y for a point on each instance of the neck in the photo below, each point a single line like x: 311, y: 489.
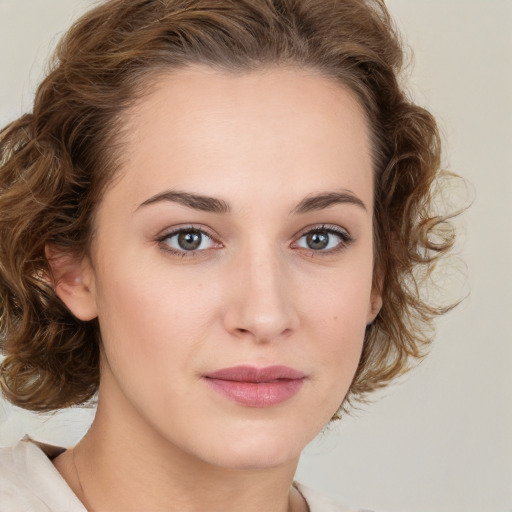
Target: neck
x: 126, y: 465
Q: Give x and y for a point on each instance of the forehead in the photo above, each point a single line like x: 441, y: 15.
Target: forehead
x: 213, y: 131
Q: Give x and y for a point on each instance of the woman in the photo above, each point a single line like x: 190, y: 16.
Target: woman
x: 215, y: 218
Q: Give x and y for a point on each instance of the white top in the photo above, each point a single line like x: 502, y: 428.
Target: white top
x: 30, y: 483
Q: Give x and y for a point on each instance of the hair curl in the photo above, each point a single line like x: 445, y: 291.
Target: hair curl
x: 56, y: 161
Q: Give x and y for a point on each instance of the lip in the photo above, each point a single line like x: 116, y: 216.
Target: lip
x: 256, y: 387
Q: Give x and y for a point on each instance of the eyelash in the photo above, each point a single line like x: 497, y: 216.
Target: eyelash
x: 183, y: 253
x: 345, y: 239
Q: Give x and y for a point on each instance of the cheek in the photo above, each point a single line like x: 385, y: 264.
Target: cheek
x: 337, y: 322
x: 339, y: 304
x: 148, y: 316
x: 154, y: 332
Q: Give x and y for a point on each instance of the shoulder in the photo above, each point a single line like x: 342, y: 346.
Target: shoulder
x: 319, y: 503
x: 29, y: 481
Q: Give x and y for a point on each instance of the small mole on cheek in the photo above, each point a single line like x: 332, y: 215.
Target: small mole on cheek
x: 335, y: 318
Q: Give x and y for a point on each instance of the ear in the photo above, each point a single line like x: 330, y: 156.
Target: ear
x: 374, y: 306
x: 72, y: 278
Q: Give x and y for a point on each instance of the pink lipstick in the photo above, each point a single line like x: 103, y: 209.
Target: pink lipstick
x: 256, y: 387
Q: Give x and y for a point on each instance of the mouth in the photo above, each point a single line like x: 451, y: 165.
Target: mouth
x: 256, y: 387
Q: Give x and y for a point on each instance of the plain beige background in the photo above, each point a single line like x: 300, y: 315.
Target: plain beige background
x: 441, y: 440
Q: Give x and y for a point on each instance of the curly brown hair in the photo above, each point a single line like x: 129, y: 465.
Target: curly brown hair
x: 56, y: 161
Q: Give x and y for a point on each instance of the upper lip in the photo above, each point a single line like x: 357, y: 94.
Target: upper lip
x: 245, y: 373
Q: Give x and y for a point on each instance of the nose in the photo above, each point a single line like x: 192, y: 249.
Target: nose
x: 260, y: 301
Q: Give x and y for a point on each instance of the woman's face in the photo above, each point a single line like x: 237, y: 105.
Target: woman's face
x: 232, y: 263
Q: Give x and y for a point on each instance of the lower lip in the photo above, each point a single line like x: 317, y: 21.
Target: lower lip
x: 257, y: 394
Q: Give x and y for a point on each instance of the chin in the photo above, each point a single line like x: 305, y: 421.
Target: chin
x: 256, y: 452
x: 240, y: 461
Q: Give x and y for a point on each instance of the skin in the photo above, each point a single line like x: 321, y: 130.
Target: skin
x: 254, y: 293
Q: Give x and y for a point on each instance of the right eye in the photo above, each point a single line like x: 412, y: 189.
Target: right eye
x: 186, y: 240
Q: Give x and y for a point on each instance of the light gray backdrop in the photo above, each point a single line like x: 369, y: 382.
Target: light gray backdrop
x: 441, y: 440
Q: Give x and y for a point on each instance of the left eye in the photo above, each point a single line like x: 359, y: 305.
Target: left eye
x: 323, y: 239
x: 188, y: 240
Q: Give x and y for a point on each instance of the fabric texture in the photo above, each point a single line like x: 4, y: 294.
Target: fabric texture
x: 30, y: 483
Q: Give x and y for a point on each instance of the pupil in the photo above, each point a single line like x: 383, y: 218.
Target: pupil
x: 317, y: 240
x: 189, y: 240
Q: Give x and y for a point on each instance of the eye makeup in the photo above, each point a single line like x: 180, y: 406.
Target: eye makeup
x: 323, y: 239
x: 188, y: 241
x: 193, y: 240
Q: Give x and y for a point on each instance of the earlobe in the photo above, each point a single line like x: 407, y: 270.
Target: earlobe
x: 72, y: 278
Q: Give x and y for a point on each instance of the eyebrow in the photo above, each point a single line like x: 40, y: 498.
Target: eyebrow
x: 325, y: 200
x: 214, y: 205
x: 195, y: 201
